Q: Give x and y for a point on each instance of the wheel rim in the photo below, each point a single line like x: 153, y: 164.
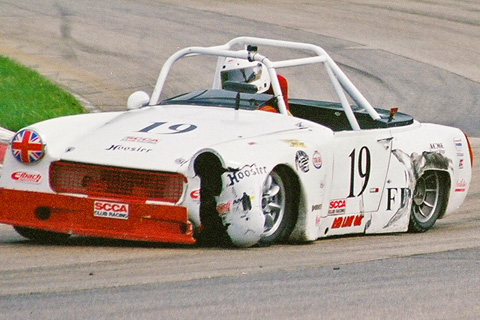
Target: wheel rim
x: 273, y: 203
x: 426, y: 197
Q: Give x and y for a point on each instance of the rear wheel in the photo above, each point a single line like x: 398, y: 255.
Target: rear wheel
x: 279, y: 205
x: 429, y: 200
x: 42, y: 236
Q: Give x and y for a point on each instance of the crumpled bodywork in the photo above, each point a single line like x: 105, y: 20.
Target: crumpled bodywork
x: 230, y: 199
x: 239, y: 208
x: 416, y: 165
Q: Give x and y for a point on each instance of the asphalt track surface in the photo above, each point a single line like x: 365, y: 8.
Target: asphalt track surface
x: 420, y: 56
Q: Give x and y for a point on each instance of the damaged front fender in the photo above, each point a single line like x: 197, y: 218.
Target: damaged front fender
x: 239, y: 205
x: 230, y: 202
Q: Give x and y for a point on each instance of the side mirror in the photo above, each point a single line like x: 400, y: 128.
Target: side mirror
x: 137, y: 100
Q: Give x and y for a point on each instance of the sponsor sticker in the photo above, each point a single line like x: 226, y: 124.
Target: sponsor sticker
x: 458, y: 146
x: 195, y: 194
x: 301, y: 160
x: 119, y: 147
x: 337, y: 206
x: 348, y: 221
x: 140, y: 140
x: 437, y: 147
x: 317, y: 160
x: 27, y: 177
x: 461, y: 186
x: 295, y: 143
x: 112, y: 210
x: 245, y: 172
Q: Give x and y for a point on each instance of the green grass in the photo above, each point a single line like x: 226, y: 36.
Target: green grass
x: 27, y: 97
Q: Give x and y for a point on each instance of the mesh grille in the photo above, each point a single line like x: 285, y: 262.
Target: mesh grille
x: 93, y: 180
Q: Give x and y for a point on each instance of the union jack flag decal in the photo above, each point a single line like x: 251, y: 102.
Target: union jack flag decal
x: 27, y: 146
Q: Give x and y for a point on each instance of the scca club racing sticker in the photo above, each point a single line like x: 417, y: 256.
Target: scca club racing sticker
x: 112, y: 210
x: 337, y: 206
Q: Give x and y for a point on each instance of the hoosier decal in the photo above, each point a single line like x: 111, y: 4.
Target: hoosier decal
x: 119, y: 147
x: 245, y: 172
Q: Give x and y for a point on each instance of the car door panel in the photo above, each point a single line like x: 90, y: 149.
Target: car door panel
x: 361, y: 161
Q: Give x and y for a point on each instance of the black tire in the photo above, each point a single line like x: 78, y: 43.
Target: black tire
x: 213, y: 232
x: 429, y: 201
x: 280, y: 206
x: 42, y: 236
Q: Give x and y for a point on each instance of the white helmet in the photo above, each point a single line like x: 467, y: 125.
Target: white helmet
x: 244, y: 71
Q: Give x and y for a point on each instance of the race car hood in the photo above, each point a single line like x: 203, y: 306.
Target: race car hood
x: 166, y: 137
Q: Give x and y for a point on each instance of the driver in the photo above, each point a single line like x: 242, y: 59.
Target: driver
x: 271, y: 105
x: 244, y: 71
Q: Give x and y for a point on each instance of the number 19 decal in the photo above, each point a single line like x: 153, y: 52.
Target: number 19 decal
x: 173, y: 129
x: 360, y: 166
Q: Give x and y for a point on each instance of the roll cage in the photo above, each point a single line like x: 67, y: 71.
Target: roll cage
x: 339, y: 80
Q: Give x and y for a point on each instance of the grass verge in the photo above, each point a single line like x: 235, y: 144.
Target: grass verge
x: 27, y: 97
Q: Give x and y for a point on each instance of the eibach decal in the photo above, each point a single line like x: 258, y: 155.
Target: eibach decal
x: 26, y: 177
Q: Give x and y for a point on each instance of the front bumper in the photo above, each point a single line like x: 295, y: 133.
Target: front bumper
x: 85, y: 216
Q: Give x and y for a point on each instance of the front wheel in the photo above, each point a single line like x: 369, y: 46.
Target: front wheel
x: 429, y: 201
x: 279, y: 206
x: 42, y: 236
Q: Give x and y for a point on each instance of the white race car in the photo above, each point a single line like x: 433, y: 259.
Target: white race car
x: 241, y: 162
